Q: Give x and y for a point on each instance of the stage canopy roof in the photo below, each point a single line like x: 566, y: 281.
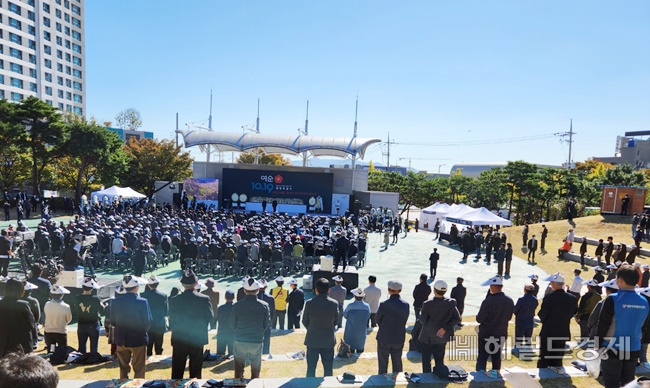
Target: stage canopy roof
x: 279, y: 144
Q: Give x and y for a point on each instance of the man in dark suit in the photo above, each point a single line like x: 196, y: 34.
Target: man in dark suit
x: 296, y: 303
x: 609, y: 250
x: 391, y: 318
x: 159, y: 310
x: 42, y: 293
x: 190, y: 314
x: 319, y: 318
x: 433, y: 263
x: 270, y: 301
x: 556, y: 312
x: 225, y: 332
x: 532, y: 248
x: 16, y: 320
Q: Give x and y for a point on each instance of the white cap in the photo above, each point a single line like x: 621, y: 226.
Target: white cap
x: 611, y: 266
x: 153, y: 280
x: 279, y: 279
x: 120, y: 290
x: 58, y: 290
x: 262, y: 283
x: 30, y: 286
x: 132, y: 281
x: 644, y: 291
x: 293, y: 281
x: 358, y: 292
x: 645, y: 266
x: 337, y: 278
x: 91, y: 283
x: 533, y: 276
x: 597, y: 268
x: 590, y: 282
x: 200, y: 239
x: 440, y: 285
x: 637, y: 265
x: 609, y: 284
x: 555, y: 278
x: 493, y: 281
x: 251, y: 284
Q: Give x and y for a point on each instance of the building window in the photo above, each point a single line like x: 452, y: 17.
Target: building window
x: 15, y: 24
x: 48, y: 77
x: 16, y: 83
x: 48, y: 102
x: 66, y: 4
x: 32, y: 87
x: 76, y: 48
x: 2, y: 64
x: 78, y: 111
x: 68, y: 70
x: 32, y: 58
x: 59, y: 67
x: 68, y: 107
x: 67, y: 44
x: 76, y: 35
x: 48, y: 63
x: 48, y: 49
x: 1, y: 49
x: 58, y: 2
x: 68, y: 83
x: 77, y: 73
x: 66, y: 17
x: 67, y: 30
x: 31, y: 2
x: 16, y: 68
x: 15, y: 38
x: 16, y: 53
x: 59, y: 93
x: 46, y: 8
x: 46, y: 21
x: 47, y: 36
x: 32, y: 44
x: 59, y: 54
x: 31, y: 16
x: 2, y: 94
x: 2, y: 79
x: 48, y: 90
x: 77, y: 98
x: 67, y: 57
x: 16, y: 97
x: 68, y: 96
x: 76, y: 22
x: 14, y: 8
x: 58, y: 27
x: 59, y: 80
x: 32, y: 73
x: 60, y: 104
x: 76, y: 9
x: 77, y: 86
x: 31, y: 30
x: 58, y: 13
x: 76, y: 61
x: 59, y: 41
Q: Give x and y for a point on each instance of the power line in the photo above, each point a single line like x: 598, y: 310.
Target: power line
x: 481, y: 142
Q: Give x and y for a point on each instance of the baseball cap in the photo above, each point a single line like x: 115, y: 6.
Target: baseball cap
x: 493, y: 281
x: 533, y: 277
x: 251, y: 285
x: 130, y: 281
x: 394, y: 285
x: 645, y: 266
x: 58, y: 290
x: 440, y: 285
x: 120, y: 290
x: 358, y: 292
x: 555, y: 278
x: 230, y: 294
x: 279, y: 279
x: 293, y: 281
x: 153, y: 280
x: 609, y: 284
x: 597, y: 268
x: 91, y: 283
x: 262, y: 283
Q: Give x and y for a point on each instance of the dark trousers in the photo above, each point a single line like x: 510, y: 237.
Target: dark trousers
x: 531, y: 253
x: 340, y: 323
x: 223, y: 342
x: 279, y: 316
x: 508, y: 263
x: 85, y: 332
x: 138, y: 269
x: 55, y: 339
x: 417, y: 312
x: 179, y: 356
x: 522, y: 335
x: 395, y: 353
x: 372, y: 321
x: 327, y: 358
x: 433, y: 270
x: 435, y: 350
x: 155, y: 341
x: 551, y: 351
x: 254, y: 352
x: 616, y: 371
x: 293, y: 320
x: 489, y: 348
x: 266, y: 343
x: 542, y: 244
x: 4, y: 266
x: 584, y: 330
x: 500, y: 267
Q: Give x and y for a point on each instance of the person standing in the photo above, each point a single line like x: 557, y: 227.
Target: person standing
x: 280, y: 296
x: 645, y: 276
x: 6, y: 254
x: 131, y: 318
x: 42, y: 293
x: 558, y: 307
x: 89, y: 309
x: 319, y: 318
x: 270, y: 301
x: 338, y: 293
x: 57, y: 317
x: 391, y: 318
x: 609, y: 250
x: 434, y: 257
x: 34, y: 307
x: 159, y: 307
x: 586, y: 306
x: 296, y: 302
x: 436, y: 229
x: 493, y: 316
x: 458, y: 293
x: 16, y: 320
x: 417, y: 225
x: 524, y: 312
x: 576, y: 287
x: 250, y: 318
x: 356, y: 316
x: 214, y: 300
x: 421, y: 293
x: 372, y: 296
x: 439, y: 316
x: 532, y: 248
x: 524, y: 235
x: 542, y: 242
x: 225, y: 332
x: 190, y: 314
x: 623, y: 318
x: 599, y: 250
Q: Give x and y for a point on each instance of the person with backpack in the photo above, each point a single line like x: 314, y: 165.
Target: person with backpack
x: 89, y: 309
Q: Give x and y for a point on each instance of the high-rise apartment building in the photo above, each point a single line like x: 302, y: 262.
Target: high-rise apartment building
x: 42, y: 52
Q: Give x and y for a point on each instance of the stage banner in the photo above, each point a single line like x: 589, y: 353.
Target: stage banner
x: 204, y: 190
x: 312, y: 190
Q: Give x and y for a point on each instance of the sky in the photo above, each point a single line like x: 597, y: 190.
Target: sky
x: 450, y: 81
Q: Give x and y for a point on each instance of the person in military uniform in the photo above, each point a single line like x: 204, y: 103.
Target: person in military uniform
x: 250, y: 318
x: 89, y: 308
x: 280, y: 296
x: 296, y: 302
x: 338, y: 293
x: 190, y: 314
x: 159, y: 306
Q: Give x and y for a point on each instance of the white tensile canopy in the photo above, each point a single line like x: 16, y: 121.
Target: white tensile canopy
x: 456, y: 212
x: 116, y: 191
x: 429, y: 214
x: 480, y: 216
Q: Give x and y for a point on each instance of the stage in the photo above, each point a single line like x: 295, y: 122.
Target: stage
x: 350, y: 276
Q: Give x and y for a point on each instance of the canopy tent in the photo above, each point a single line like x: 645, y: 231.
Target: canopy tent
x: 429, y: 214
x: 480, y: 216
x: 116, y: 191
x: 456, y: 212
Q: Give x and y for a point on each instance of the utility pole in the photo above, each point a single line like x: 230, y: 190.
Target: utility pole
x: 570, y: 142
x: 356, y: 111
x: 257, y: 122
x: 176, y: 129
x: 307, y: 120
x: 563, y: 136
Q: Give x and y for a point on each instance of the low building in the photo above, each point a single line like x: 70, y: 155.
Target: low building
x: 630, y: 149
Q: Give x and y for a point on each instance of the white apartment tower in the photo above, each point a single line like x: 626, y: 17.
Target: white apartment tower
x: 42, y: 52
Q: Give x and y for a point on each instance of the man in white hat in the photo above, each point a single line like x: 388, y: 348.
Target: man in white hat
x: 438, y: 316
x: 296, y: 302
x: 356, y: 316
x: 338, y: 293
x: 585, y: 307
x: 533, y: 280
x: 493, y: 317
x: 57, y: 317
x: 525, y: 317
x: 89, y: 309
x: 131, y: 317
x: 391, y: 318
x: 159, y: 306
x: 33, y: 306
x: 598, y: 278
x: 280, y: 295
x: 558, y: 307
x: 250, y: 317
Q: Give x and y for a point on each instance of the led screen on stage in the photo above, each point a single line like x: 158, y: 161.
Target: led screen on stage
x: 204, y: 190
x: 312, y: 190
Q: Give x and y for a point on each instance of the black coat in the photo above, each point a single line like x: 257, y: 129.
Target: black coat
x: 296, y: 301
x: 319, y: 318
x: 459, y: 293
x: 494, y: 314
x: 556, y: 312
x: 421, y: 294
x: 190, y: 314
x: 224, y: 329
x: 16, y: 326
x: 159, y: 306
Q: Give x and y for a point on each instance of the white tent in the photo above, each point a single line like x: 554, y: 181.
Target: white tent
x: 480, y: 216
x: 116, y: 191
x: 451, y: 217
x: 429, y: 214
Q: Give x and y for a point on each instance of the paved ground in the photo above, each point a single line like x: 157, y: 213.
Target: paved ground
x: 404, y: 261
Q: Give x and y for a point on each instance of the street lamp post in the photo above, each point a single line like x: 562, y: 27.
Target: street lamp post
x: 440, y: 165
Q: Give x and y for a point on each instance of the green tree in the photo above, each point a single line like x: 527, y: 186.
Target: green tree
x: 15, y: 164
x: 459, y: 186
x: 263, y: 158
x: 521, y: 179
x: 129, y: 119
x: 151, y: 160
x: 624, y: 175
x: 489, y: 189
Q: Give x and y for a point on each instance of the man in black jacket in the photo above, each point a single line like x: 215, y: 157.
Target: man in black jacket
x: 270, y: 301
x: 439, y: 316
x: 225, y: 332
x: 421, y: 293
x: 190, y: 314
x: 556, y: 312
x: 493, y: 316
x: 296, y: 302
x: 89, y: 308
x: 459, y: 293
x: 433, y: 263
x: 391, y: 318
x: 250, y: 318
x: 159, y: 307
x: 320, y: 316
